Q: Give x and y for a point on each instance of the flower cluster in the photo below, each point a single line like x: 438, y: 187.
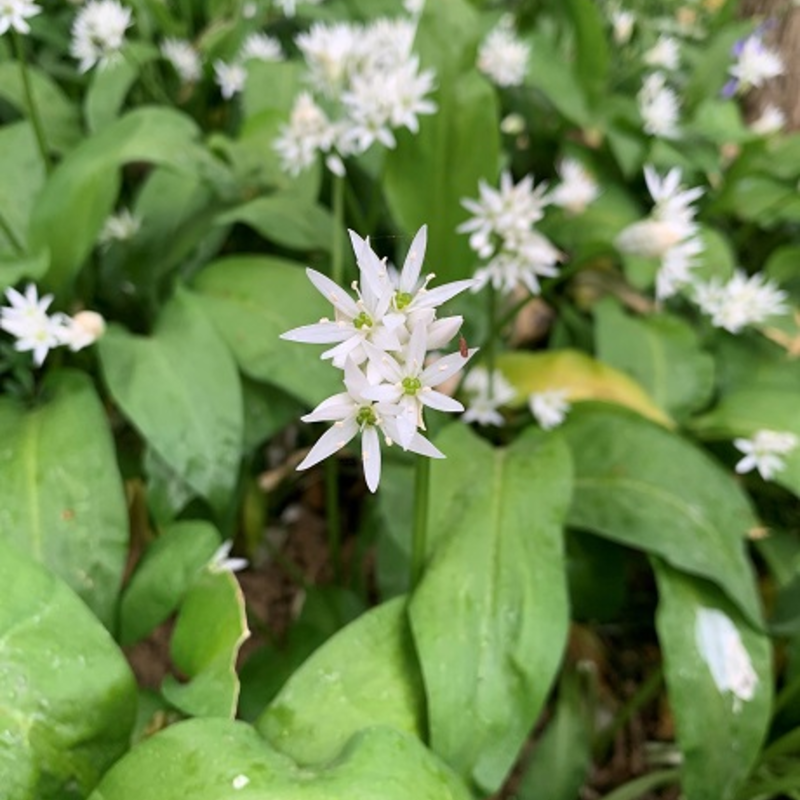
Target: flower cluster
x: 740, y: 302
x: 764, y: 452
x: 502, y: 231
x: 98, y: 33
x: 550, y: 407
x: 664, y: 54
x: 14, y: 15
x: 486, y: 394
x: 184, y: 58
x: 576, y: 189
x: 669, y: 233
x: 381, y: 339
x: 365, y: 84
x: 755, y: 64
x: 36, y: 331
x: 659, y: 107
x: 503, y: 56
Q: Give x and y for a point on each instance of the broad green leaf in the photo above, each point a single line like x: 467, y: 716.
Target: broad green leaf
x: 167, y: 492
x: 363, y: 676
x: 271, y: 86
x: 592, y: 55
x: 661, y: 353
x: 645, y: 487
x: 490, y: 615
x: 287, y: 219
x: 429, y: 173
x: 168, y: 568
x: 67, y: 696
x: 720, y: 689
x: 252, y: 300
x: 13, y: 269
x: 582, y: 376
x: 720, y: 121
x: 180, y: 389
x: 211, y: 628
x: 61, y: 497
x: 394, y: 522
x: 211, y: 759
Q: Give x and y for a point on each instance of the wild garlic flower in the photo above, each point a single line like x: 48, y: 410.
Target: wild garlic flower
x: 577, y: 188
x: 550, y: 407
x: 98, y: 33
x: 308, y: 133
x: 184, y: 58
x: 764, y: 452
x: 289, y: 7
x: 261, y: 47
x: 622, y: 24
x: 771, y: 120
x: 659, y: 107
x: 664, y: 54
x: 755, y: 64
x: 503, y: 56
x: 381, y: 340
x: 230, y: 78
x: 77, y: 332
x: 119, y: 227
x: 485, y: 396
x: 14, y: 15
x: 741, y: 302
x: 221, y: 561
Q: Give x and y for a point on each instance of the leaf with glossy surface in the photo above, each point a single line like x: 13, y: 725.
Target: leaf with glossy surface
x: 180, y: 389
x: 67, y: 696
x: 720, y: 731
x: 365, y: 675
x: 490, y: 615
x: 252, y: 300
x: 650, y: 489
x: 208, y: 759
x: 61, y: 497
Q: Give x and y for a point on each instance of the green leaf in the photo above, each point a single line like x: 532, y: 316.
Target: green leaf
x: 67, y: 696
x: 645, y: 487
x: 720, y: 734
x: 592, y: 55
x: 168, y: 568
x: 363, y: 676
x: 180, y: 389
x: 61, y: 497
x: 490, y: 616
x: 660, y: 352
x: 429, y: 173
x: 211, y: 758
x: 211, y: 628
x: 252, y: 300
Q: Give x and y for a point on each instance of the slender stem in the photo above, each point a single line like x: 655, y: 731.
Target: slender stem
x: 337, y: 264
x: 334, y: 516
x: 491, y: 299
x: 419, y: 541
x: 33, y: 111
x: 8, y: 232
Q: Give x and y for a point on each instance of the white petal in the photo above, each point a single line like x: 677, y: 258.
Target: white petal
x: 432, y: 298
x: 333, y: 440
x: 334, y: 293
x: 371, y: 457
x: 383, y: 393
x: 386, y: 365
x: 445, y: 368
x: 419, y: 444
x: 413, y: 263
x: 319, y: 333
x: 337, y: 407
x: 439, y: 401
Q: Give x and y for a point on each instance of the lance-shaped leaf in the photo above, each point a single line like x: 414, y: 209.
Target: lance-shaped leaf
x: 211, y: 628
x: 67, y: 696
x: 181, y: 390
x: 490, y: 615
x: 719, y: 677
x: 645, y: 487
x: 61, y: 497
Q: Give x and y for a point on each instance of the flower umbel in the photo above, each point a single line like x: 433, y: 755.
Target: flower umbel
x: 14, y: 15
x: 764, y: 452
x: 98, y: 33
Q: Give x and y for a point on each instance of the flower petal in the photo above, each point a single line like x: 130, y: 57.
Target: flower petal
x: 439, y: 401
x: 371, y: 457
x: 445, y: 368
x: 333, y: 440
x: 334, y: 293
x: 319, y: 333
x: 413, y: 263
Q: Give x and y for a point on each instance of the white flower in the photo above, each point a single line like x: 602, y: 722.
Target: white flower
x: 230, y: 78
x: 764, y: 452
x: 332, y: 53
x: 261, y: 47
x: 658, y: 107
x: 98, y: 33
x: 27, y: 320
x: 486, y: 396
x: 676, y: 266
x: 756, y: 63
x: 503, y: 56
x: 14, y: 14
x: 648, y: 238
x: 577, y: 187
x: 240, y: 781
x: 221, y: 562
x: 77, y: 332
x: 549, y: 407
x: 726, y: 657
x: 622, y: 23
x: 119, y: 227
x: 309, y: 131
x: 184, y: 58
x: 740, y: 302
x: 289, y: 7
x: 771, y: 120
x: 414, y: 7
x: 665, y: 53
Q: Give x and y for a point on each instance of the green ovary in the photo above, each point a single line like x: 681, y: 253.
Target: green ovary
x: 366, y: 416
x: 401, y: 300
x: 411, y: 385
x: 363, y: 320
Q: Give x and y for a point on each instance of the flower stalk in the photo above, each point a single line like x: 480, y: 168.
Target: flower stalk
x: 33, y: 111
x: 419, y: 541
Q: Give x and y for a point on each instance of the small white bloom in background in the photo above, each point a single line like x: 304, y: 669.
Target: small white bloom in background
x: 98, y: 33
x: 659, y: 107
x: 512, y: 124
x: 549, y: 408
x: 249, y: 10
x: 741, y: 302
x: 119, y: 227
x: 308, y: 132
x: 240, y: 781
x: 184, y: 58
x: 261, y: 47
x: 14, y: 15
x: 622, y: 23
x: 485, y: 396
x: 222, y: 562
x: 503, y: 56
x: 677, y: 263
x: 764, y: 452
x: 414, y: 7
x: 755, y: 64
x: 726, y: 657
x: 577, y: 187
x: 771, y: 120
x: 81, y: 330
x: 230, y: 78
x: 289, y: 7
x: 27, y: 320
x: 665, y: 53
x: 332, y: 53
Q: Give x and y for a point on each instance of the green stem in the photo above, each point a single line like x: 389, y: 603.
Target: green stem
x: 337, y: 264
x: 33, y: 111
x: 8, y: 232
x: 419, y: 541
x: 490, y: 347
x: 334, y: 516
x: 153, y: 86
